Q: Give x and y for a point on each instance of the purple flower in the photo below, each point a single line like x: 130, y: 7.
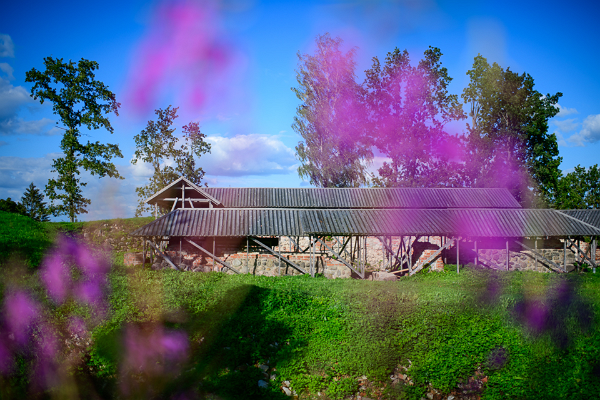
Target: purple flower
x: 20, y: 312
x: 56, y: 277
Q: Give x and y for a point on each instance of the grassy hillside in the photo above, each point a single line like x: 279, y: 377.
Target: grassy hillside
x: 82, y: 327
x: 26, y: 240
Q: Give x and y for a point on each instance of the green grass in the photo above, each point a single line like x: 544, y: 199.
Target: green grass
x: 323, y: 335
x: 531, y: 335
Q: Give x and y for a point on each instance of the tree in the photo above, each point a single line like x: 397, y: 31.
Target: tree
x: 79, y: 100
x: 508, y: 143
x: 330, y: 118
x: 33, y: 202
x: 156, y: 145
x: 579, y: 189
x: 409, y: 107
x: 10, y: 206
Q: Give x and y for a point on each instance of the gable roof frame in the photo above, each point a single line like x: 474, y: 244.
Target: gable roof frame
x: 156, y: 196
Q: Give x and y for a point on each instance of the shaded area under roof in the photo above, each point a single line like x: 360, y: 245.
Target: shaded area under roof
x: 353, y: 198
x: 303, y: 222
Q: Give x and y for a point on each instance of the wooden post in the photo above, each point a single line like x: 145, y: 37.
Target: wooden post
x: 565, y: 254
x: 593, y: 252
x: 536, y: 249
x: 247, y: 254
x: 183, y: 196
x: 144, y: 253
x: 409, y: 253
x: 457, y: 254
x: 279, y: 248
x: 180, y: 255
x: 213, y: 263
x: 507, y: 255
x: 312, y: 255
x: 578, y: 253
x: 476, y: 254
x: 401, y: 244
x: 155, y: 210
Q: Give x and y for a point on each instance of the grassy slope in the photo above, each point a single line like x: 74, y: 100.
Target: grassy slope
x: 532, y: 335
x: 323, y: 335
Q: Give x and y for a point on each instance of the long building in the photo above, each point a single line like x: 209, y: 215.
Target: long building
x: 356, y: 232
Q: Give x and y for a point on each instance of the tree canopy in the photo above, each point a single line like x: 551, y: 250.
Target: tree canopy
x: 335, y: 149
x: 508, y: 143
x: 79, y: 100
x: 168, y: 156
x: 579, y: 189
x: 409, y: 107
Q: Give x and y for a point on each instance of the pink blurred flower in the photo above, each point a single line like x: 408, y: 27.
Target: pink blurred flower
x: 20, y: 313
x: 56, y: 277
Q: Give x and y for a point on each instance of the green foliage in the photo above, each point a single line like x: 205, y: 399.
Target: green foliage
x: 579, y: 189
x: 79, y: 100
x: 409, y: 107
x: 157, y: 144
x: 335, y: 147
x: 10, y: 206
x: 33, y: 202
x: 509, y: 144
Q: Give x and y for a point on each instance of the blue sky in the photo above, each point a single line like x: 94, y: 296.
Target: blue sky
x: 246, y: 105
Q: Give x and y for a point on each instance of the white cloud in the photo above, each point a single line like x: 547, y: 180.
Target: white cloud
x: 11, y: 99
x: 565, y: 111
x: 7, y: 47
x: 248, y: 155
x: 590, y: 132
x: 8, y: 70
x: 567, y: 125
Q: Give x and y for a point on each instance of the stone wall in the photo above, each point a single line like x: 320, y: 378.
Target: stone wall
x: 491, y: 254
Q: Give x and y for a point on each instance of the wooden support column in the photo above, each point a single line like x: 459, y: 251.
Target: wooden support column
x: 476, y: 254
x: 180, y: 255
x: 593, y: 252
x: 279, y: 248
x: 507, y: 255
x: 155, y: 210
x: 248, y: 253
x: 536, y: 251
x: 144, y: 252
x: 565, y: 254
x: 457, y: 254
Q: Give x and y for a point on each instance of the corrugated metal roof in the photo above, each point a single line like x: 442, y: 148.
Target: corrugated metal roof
x: 303, y: 222
x: 225, y: 222
x: 353, y: 198
x: 473, y: 223
x: 591, y: 217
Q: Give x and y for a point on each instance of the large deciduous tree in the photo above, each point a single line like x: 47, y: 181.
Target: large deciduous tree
x: 579, y: 189
x: 508, y: 143
x: 168, y: 156
x: 409, y: 107
x: 79, y: 100
x: 335, y: 149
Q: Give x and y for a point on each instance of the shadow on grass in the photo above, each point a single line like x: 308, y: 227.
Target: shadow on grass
x: 233, y: 349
